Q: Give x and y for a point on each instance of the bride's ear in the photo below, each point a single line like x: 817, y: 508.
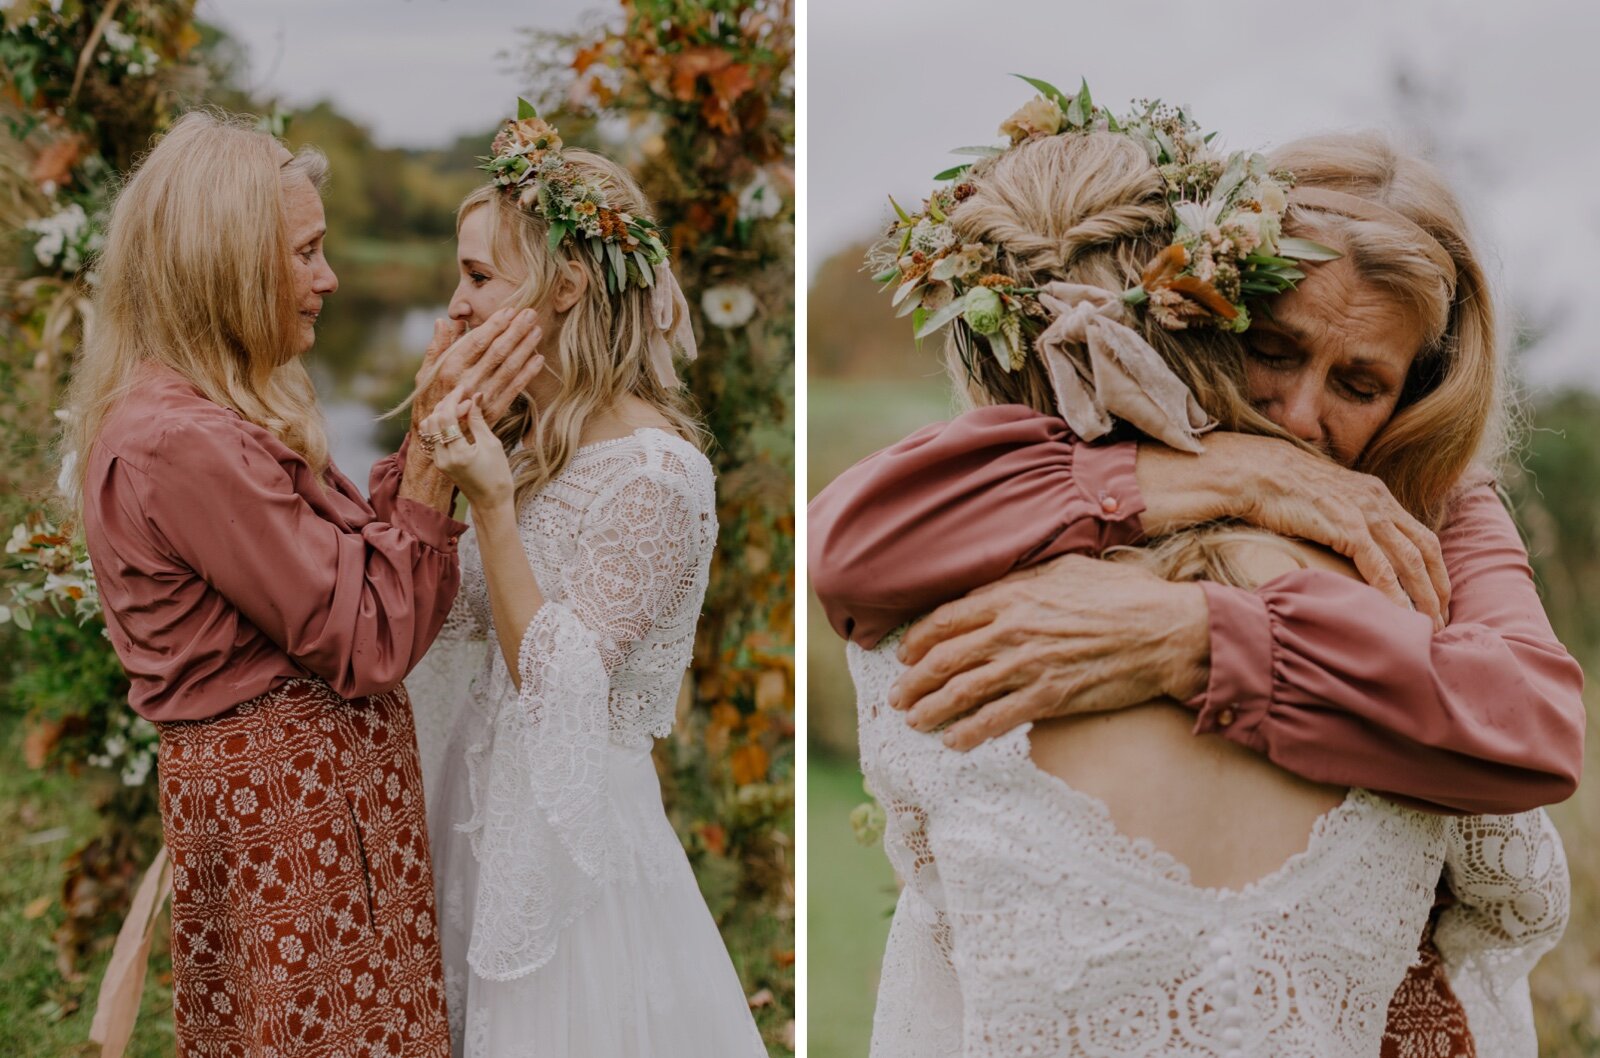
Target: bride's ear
x: 570, y: 287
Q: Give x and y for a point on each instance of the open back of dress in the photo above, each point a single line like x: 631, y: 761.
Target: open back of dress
x: 1046, y: 912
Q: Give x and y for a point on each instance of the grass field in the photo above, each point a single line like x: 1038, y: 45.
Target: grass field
x: 43, y: 817
x: 850, y: 893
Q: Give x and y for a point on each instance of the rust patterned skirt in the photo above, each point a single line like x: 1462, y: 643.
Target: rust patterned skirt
x: 303, y: 922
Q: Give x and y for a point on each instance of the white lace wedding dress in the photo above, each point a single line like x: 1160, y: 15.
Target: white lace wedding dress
x: 571, y: 921
x: 1029, y: 925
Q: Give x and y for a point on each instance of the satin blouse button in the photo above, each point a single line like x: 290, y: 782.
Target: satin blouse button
x: 1232, y: 1038
x: 1225, y: 716
x: 1219, y: 945
x: 1109, y: 504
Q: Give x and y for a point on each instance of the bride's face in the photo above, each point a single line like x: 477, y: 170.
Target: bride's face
x: 482, y: 289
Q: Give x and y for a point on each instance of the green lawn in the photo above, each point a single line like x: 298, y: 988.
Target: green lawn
x: 43, y: 817
x: 850, y: 892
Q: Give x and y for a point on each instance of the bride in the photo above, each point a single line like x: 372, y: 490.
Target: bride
x: 1110, y: 885
x: 570, y: 918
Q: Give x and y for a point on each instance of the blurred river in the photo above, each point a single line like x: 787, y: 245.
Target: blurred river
x: 363, y: 363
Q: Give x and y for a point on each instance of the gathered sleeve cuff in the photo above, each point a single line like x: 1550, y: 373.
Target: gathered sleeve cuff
x: 356, y: 604
x: 958, y: 505
x: 434, y: 528
x: 1331, y: 680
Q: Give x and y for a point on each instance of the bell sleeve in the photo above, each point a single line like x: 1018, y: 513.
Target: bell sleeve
x: 545, y: 830
x: 1513, y: 897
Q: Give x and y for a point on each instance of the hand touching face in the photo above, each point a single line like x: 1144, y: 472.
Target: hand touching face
x: 467, y: 451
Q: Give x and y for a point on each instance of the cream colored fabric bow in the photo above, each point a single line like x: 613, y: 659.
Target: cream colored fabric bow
x: 1100, y: 368
x: 670, y: 310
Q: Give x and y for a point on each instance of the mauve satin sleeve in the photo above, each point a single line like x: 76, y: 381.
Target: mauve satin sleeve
x: 1329, y: 679
x: 957, y: 505
x: 355, y: 606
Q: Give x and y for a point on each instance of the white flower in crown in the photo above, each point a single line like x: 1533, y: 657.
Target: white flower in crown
x: 728, y: 305
x: 1195, y: 217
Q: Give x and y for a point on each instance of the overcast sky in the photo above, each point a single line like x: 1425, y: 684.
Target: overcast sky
x: 416, y: 72
x: 895, y: 83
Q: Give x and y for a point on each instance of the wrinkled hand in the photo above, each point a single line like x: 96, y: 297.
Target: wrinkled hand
x: 1076, y: 635
x: 494, y: 359
x: 475, y: 460
x: 1295, y: 493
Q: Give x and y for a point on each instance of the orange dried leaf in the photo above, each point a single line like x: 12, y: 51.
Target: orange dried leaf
x: 1199, y: 290
x: 749, y: 764
x: 586, y: 57
x: 690, y: 65
x: 714, y: 837
x: 41, y: 738
x: 37, y: 908
x: 55, y: 162
x: 1164, y: 267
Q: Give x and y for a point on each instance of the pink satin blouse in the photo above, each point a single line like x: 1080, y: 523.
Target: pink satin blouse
x: 226, y: 567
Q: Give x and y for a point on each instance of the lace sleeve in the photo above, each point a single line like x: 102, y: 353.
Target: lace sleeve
x: 919, y: 1010
x: 545, y: 831
x: 1509, y: 874
x: 919, y: 993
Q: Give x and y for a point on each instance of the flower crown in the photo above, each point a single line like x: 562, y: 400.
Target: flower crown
x: 528, y: 164
x: 1226, y: 216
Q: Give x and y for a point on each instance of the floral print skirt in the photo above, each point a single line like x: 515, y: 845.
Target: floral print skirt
x: 303, y: 921
x: 1426, y: 1020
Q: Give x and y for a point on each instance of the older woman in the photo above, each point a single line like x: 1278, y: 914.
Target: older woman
x: 1384, y: 361
x: 264, y: 610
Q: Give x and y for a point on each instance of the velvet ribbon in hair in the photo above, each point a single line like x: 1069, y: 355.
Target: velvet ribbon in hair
x: 1101, y: 368
x: 670, y: 310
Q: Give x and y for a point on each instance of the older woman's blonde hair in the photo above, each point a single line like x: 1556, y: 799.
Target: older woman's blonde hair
x: 196, y: 275
x: 1453, y: 409
x: 1092, y: 209
x: 602, y: 347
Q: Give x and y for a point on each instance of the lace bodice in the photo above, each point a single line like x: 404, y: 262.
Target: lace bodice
x: 1028, y: 924
x: 620, y: 544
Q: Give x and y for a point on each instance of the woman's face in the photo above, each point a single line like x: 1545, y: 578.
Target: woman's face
x: 482, y: 289
x: 312, y: 275
x: 1330, y: 362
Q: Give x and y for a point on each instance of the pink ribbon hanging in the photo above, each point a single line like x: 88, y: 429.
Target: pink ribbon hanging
x: 670, y: 312
x: 1100, y: 369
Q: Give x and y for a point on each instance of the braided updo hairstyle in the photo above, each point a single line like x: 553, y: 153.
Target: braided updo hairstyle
x: 1085, y: 209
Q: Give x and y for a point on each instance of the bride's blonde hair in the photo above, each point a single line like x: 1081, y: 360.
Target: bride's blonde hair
x: 196, y: 275
x: 603, y: 345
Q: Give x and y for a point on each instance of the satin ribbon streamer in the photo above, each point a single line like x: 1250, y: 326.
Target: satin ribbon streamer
x: 1101, y: 368
x: 670, y: 310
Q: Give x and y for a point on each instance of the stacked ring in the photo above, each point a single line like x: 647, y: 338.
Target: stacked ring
x: 450, y: 433
x: 429, y: 441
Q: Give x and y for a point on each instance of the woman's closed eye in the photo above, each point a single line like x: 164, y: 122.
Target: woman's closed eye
x: 1272, y: 354
x: 477, y: 278
x: 1361, y: 390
